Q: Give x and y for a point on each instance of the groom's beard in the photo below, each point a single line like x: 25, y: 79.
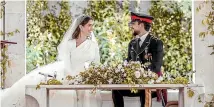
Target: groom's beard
x: 135, y: 33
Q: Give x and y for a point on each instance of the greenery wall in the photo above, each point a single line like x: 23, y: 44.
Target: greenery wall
x: 111, y: 28
x: 45, y: 30
x: 172, y: 25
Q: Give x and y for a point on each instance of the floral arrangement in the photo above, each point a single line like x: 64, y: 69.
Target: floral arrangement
x: 121, y: 73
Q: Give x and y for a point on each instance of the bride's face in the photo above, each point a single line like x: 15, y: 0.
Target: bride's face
x: 88, y: 28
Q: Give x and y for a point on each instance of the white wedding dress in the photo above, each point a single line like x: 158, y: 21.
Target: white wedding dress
x: 88, y: 51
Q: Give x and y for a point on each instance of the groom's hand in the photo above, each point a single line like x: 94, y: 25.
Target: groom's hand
x: 148, y: 56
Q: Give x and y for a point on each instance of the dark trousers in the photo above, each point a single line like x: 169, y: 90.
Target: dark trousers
x: 117, y: 96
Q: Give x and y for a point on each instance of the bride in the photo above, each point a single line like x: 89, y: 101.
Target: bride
x: 73, y: 52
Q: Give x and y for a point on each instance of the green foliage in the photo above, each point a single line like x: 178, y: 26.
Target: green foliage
x: 9, y: 33
x: 173, y: 27
x: 111, y: 28
x: 45, y: 30
x: 208, y: 22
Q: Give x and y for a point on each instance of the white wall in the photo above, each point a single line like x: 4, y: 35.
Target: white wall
x: 204, y: 62
x: 15, y: 19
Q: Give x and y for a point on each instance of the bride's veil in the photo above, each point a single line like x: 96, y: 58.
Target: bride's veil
x: 63, y: 48
x: 63, y: 51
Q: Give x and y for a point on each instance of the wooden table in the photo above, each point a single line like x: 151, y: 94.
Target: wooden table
x: 42, y: 94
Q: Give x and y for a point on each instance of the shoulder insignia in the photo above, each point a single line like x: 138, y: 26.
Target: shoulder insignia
x: 155, y: 38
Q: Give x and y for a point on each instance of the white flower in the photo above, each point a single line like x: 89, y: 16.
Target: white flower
x: 112, y: 54
x: 86, y: 65
x: 49, y: 35
x: 142, y: 70
x: 124, y: 75
x: 122, y: 70
x: 149, y: 73
x: 105, y: 75
x: 110, y: 81
x: 138, y: 62
x: 133, y: 67
x: 109, y: 32
x: 153, y: 74
x: 144, y: 75
x: 137, y: 74
x: 125, y: 62
x: 119, y: 66
x: 117, y: 70
x: 159, y: 79
x: 151, y: 82
x: 102, y: 68
x: 79, y: 78
x: 113, y: 41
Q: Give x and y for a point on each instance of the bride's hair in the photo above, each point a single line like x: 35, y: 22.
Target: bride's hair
x: 77, y: 30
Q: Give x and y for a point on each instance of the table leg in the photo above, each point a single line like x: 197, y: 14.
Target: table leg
x: 40, y: 95
x: 181, y: 97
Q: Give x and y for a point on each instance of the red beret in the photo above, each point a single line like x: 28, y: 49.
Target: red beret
x: 141, y: 17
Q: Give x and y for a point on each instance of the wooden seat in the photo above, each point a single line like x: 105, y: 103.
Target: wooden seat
x: 172, y: 104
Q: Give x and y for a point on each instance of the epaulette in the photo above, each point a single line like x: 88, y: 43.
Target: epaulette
x: 155, y: 38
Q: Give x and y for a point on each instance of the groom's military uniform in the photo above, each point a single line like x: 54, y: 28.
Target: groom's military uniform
x: 138, y: 52
x: 151, y: 45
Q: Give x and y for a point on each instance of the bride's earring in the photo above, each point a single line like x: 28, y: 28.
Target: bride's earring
x: 81, y: 27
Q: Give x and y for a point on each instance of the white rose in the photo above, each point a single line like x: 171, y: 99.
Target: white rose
x: 122, y: 70
x: 149, y: 73
x: 133, y: 67
x: 110, y: 81
x: 112, y: 54
x: 151, y: 82
x: 125, y: 62
x: 119, y: 66
x: 117, y: 70
x: 105, y: 75
x: 160, y: 78
x: 103, y: 68
x: 138, y: 62
x: 49, y: 36
x: 144, y: 75
x: 137, y: 74
x: 158, y: 81
x: 153, y: 74
x: 142, y: 70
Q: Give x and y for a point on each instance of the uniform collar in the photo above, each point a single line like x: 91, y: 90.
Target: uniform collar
x: 143, y: 37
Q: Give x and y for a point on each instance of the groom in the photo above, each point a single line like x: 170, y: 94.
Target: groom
x: 144, y: 48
